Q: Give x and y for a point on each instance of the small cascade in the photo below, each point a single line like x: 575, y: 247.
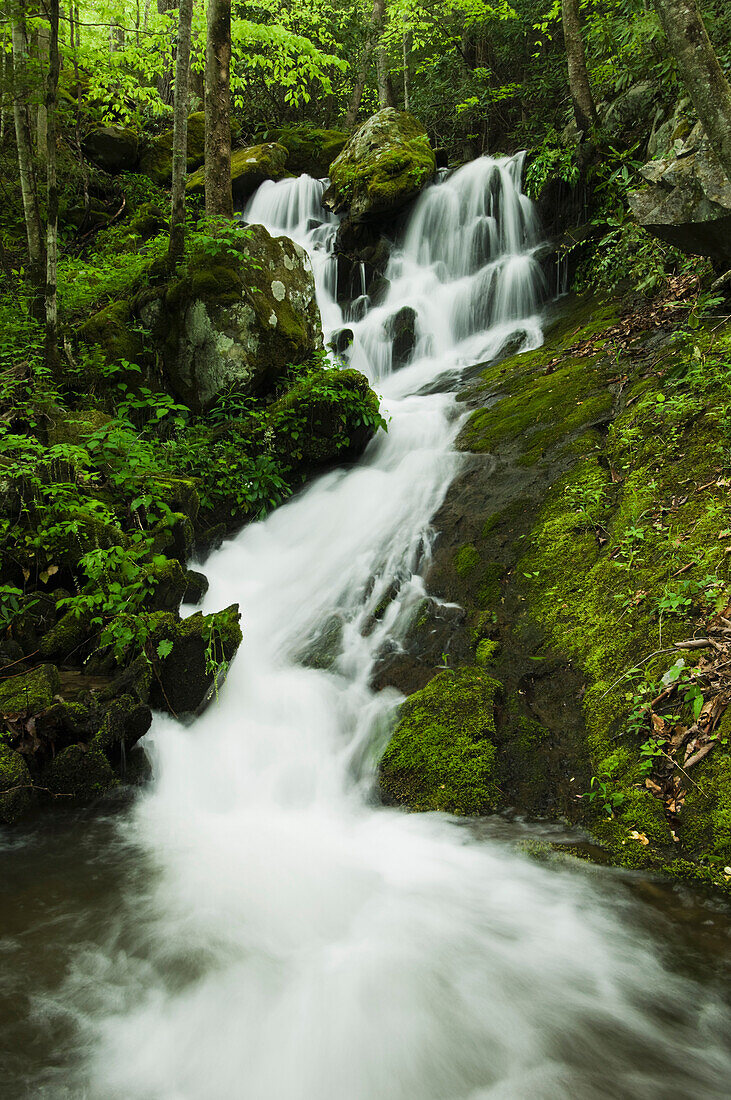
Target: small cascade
x: 282, y: 936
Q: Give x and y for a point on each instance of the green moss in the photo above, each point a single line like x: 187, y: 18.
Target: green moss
x: 309, y: 149
x: 384, y: 165
x: 156, y: 160
x: 80, y: 772
x: 76, y: 427
x: 65, y: 637
x: 250, y: 167
x: 29, y: 693
x: 112, y: 330
x: 466, y: 559
x: 441, y: 755
x: 16, y: 792
x: 486, y: 651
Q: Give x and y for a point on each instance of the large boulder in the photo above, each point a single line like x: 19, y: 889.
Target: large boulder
x: 310, y: 150
x: 385, y: 164
x: 250, y: 167
x: 156, y: 160
x: 112, y: 148
x: 687, y: 200
x: 237, y: 319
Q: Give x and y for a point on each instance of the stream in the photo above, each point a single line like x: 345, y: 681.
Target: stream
x: 254, y: 924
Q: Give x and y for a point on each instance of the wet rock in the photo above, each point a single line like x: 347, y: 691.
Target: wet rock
x: 688, y: 201
x: 250, y: 167
x: 125, y: 722
x: 238, y: 320
x: 80, y: 773
x: 30, y: 692
x: 196, y: 586
x: 341, y: 341
x: 16, y: 793
x: 202, y: 648
x: 112, y: 148
x: 386, y: 163
x: 442, y: 754
x: 324, y: 649
x: 169, y: 586
x: 401, y: 330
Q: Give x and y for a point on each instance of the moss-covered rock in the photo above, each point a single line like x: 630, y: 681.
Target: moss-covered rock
x: 156, y: 160
x: 310, y: 150
x: 149, y: 220
x: 80, y: 773
x: 198, y: 652
x: 66, y: 637
x: 239, y: 320
x: 112, y: 148
x: 385, y: 164
x: 196, y: 586
x: 125, y: 722
x: 75, y: 427
x: 169, y: 585
x: 249, y: 168
x: 112, y: 330
x: 313, y: 424
x: 29, y: 693
x: 601, y: 490
x: 442, y: 754
x: 16, y: 785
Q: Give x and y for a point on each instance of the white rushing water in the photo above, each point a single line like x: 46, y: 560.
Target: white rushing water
x: 298, y: 941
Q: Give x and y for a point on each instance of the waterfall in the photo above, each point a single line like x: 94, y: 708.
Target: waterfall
x: 291, y: 939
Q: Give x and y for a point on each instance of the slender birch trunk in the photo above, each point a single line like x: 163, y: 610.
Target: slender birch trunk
x: 180, y: 135
x: 29, y: 193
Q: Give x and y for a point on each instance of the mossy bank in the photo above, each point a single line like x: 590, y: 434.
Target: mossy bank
x: 587, y: 540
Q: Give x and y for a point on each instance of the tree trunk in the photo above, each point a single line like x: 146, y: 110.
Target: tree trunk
x: 31, y: 212
x: 165, y: 81
x: 180, y: 135
x: 54, y: 64
x: 369, y: 46
x: 218, y: 110
x: 386, y: 97
x: 703, y: 76
x: 42, y: 115
x: 406, y: 50
x: 74, y: 34
x: 581, y: 97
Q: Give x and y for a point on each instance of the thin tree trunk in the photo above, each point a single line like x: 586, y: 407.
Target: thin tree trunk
x: 74, y: 33
x: 366, y: 60
x: 581, y: 97
x: 3, y: 86
x: 42, y: 45
x: 54, y: 65
x: 703, y: 76
x: 165, y: 81
x: 386, y: 97
x: 28, y: 189
x: 406, y: 50
x: 180, y: 135
x: 218, y: 110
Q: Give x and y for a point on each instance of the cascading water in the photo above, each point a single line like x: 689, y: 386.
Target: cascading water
x: 288, y: 938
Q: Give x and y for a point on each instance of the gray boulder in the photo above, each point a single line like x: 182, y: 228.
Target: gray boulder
x: 687, y: 200
x: 237, y: 320
x: 385, y: 164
